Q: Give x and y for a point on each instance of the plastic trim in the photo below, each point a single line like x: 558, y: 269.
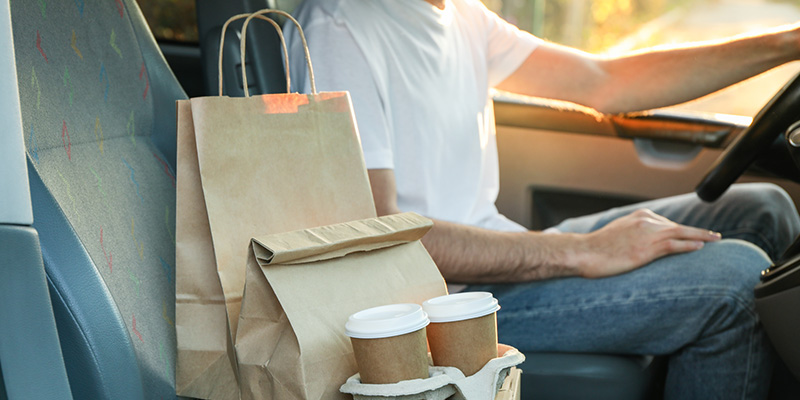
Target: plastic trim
x: 29, y: 341
x: 15, y: 198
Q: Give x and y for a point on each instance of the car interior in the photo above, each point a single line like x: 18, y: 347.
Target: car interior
x: 87, y: 206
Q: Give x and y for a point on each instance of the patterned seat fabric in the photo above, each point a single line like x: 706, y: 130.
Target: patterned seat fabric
x: 95, y: 97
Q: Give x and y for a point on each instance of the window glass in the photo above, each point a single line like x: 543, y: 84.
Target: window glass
x: 618, y: 26
x: 171, y: 20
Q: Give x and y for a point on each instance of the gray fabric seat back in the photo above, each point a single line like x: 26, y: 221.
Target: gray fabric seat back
x: 97, y: 102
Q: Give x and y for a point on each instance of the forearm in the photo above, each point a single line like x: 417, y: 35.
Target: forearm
x: 472, y: 255
x: 467, y: 254
x: 650, y: 78
x: 664, y: 77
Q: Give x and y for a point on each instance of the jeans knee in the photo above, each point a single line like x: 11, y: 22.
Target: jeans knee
x: 735, y: 273
x: 782, y: 214
x: 767, y: 196
x: 776, y: 198
x: 776, y: 201
x: 770, y: 207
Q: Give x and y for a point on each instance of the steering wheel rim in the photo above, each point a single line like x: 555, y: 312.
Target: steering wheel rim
x: 773, y: 119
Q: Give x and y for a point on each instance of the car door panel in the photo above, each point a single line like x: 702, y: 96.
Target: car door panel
x: 556, y: 148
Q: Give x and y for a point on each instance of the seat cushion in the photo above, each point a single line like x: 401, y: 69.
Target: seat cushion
x: 567, y: 376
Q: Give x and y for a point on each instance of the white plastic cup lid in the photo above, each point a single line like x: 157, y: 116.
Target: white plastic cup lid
x: 460, y: 306
x: 386, y: 321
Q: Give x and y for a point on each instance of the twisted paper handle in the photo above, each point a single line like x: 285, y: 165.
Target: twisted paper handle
x: 260, y: 15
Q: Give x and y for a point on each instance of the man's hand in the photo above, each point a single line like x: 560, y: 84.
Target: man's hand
x: 632, y: 241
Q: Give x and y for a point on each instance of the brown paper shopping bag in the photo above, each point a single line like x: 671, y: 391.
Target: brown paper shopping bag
x: 246, y: 167
x: 303, y: 285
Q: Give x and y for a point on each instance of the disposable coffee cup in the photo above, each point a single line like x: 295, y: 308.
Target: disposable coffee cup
x: 389, y: 343
x: 463, y: 330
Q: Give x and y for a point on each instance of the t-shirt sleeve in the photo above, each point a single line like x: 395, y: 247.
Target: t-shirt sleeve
x: 340, y: 65
x: 508, y: 46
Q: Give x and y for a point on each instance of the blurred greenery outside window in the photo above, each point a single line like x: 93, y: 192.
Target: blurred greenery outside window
x: 171, y: 20
x: 619, y: 26
x: 591, y: 25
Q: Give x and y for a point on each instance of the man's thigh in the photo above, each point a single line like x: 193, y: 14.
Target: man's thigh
x: 656, y: 309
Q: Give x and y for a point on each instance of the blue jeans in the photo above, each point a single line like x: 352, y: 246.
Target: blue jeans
x: 696, y: 308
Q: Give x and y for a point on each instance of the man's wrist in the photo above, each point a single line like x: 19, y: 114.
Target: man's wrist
x: 565, y: 254
x: 580, y: 258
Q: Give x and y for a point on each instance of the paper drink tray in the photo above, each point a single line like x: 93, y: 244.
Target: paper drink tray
x: 445, y: 383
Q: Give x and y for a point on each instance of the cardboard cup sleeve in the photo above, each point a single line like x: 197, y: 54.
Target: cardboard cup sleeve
x: 389, y: 343
x: 463, y: 330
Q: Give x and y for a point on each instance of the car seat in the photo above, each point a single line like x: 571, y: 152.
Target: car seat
x: 97, y: 109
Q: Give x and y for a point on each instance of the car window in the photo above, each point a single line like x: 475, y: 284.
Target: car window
x: 171, y: 20
x: 617, y: 26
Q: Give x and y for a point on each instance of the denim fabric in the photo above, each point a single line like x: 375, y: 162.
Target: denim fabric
x: 696, y: 308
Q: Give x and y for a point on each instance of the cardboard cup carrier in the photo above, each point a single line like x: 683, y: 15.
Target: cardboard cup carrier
x: 389, y: 343
x: 463, y: 330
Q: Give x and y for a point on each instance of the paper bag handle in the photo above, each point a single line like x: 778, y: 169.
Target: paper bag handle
x: 259, y: 14
x: 222, y: 43
x: 302, y: 38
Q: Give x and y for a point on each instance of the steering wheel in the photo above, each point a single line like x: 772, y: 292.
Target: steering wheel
x: 779, y: 113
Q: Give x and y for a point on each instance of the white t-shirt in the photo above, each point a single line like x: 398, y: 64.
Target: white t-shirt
x: 419, y: 78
